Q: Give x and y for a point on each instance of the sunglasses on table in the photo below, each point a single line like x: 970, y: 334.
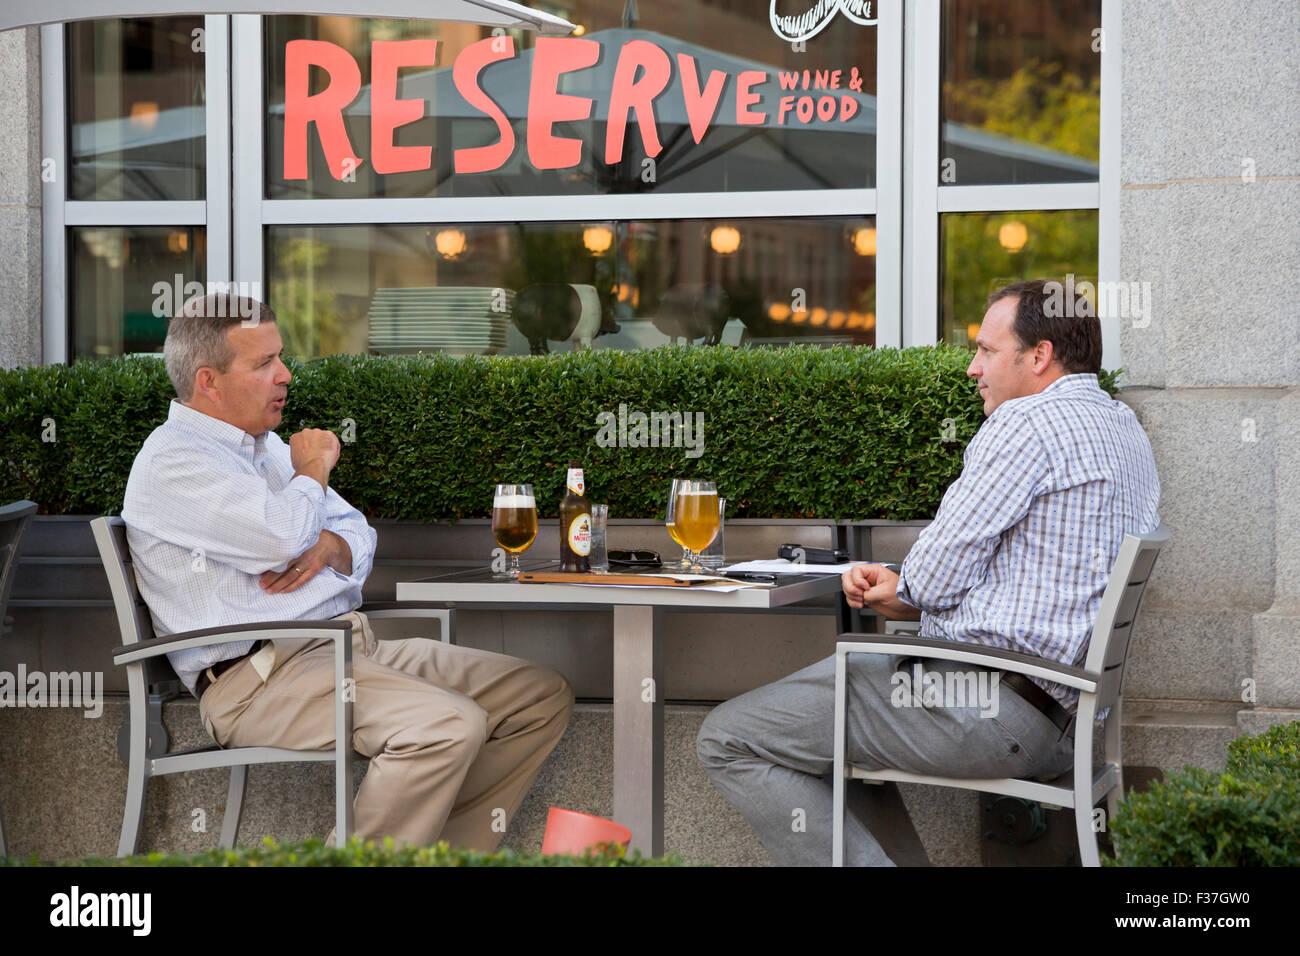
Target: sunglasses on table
x: 634, y: 559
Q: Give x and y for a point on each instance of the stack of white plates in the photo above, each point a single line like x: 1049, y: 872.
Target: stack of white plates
x: 460, y: 320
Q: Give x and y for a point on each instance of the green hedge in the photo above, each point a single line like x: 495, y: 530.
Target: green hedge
x: 315, y: 853
x: 796, y: 432
x: 1249, y: 815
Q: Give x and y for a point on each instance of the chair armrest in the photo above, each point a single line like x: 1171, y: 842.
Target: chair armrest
x: 230, y: 634
x: 940, y: 649
x: 380, y: 610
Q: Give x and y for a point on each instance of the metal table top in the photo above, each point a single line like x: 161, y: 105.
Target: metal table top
x: 476, y: 585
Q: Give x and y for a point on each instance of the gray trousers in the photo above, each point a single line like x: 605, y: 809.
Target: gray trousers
x: 771, y: 751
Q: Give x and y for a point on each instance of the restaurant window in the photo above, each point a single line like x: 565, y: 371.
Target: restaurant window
x: 785, y: 229
x: 127, y: 281
x: 1021, y: 91
x: 735, y: 107
x: 1017, y: 175
x: 136, y: 126
x: 983, y: 252
x: 520, y: 288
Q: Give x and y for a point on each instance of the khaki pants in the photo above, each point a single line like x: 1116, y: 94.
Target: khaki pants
x: 455, y: 735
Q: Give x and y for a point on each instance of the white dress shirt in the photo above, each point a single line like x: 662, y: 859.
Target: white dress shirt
x: 208, y: 508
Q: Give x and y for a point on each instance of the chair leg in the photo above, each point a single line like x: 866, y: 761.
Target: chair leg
x: 234, y: 805
x: 837, y: 813
x: 1089, y: 855
x: 136, y: 776
x: 447, y: 623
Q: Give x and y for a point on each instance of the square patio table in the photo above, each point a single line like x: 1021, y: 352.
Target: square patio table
x: 638, y: 659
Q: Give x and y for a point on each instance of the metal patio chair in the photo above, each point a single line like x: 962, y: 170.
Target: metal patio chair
x: 1099, y: 683
x: 13, y: 522
x: 144, y: 656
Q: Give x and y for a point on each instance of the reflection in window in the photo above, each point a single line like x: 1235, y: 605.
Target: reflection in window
x: 473, y: 289
x: 136, y: 109
x: 790, y: 148
x: 127, y: 281
x: 1021, y: 91
x: 985, y: 251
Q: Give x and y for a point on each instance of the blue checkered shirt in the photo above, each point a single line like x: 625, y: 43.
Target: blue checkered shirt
x: 208, y: 508
x: 1020, y: 552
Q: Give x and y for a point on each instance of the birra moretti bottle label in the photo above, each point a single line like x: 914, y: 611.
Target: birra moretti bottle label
x: 580, y: 534
x: 574, y: 481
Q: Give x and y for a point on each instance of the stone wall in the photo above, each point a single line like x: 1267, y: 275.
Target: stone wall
x: 20, y: 198
x: 1210, y: 217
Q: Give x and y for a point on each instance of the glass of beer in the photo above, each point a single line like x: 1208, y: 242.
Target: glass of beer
x: 514, y: 522
x: 685, y: 563
x: 695, y: 517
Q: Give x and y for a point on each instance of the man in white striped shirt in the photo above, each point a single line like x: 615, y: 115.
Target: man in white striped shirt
x: 1016, y: 558
x: 229, y: 525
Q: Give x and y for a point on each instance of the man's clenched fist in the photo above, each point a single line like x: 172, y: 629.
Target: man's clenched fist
x: 875, y: 587
x: 315, y: 452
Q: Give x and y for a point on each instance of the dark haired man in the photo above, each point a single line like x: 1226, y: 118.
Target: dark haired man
x: 228, y: 524
x: 1016, y: 558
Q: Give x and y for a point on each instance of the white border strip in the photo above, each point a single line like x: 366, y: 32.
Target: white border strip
x: 54, y: 251
x: 889, y: 177
x: 1108, y: 225
x: 491, y: 209
x: 1020, y: 197
x: 135, y: 213
x: 921, y: 258
x: 249, y: 164
x: 216, y: 67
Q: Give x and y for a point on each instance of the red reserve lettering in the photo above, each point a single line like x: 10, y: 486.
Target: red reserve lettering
x: 700, y: 106
x: 629, y: 93
x: 469, y: 64
x: 553, y: 56
x: 745, y: 80
x: 325, y: 108
x: 387, y: 112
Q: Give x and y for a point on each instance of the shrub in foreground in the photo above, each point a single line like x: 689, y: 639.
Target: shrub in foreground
x: 316, y: 853
x: 1249, y: 815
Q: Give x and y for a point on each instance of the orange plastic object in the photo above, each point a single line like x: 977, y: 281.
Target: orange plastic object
x: 568, y: 831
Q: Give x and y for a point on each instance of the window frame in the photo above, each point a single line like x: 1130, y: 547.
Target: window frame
x: 927, y: 198
x: 59, y: 213
x: 906, y: 201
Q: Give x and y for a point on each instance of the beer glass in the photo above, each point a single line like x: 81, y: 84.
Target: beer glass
x: 514, y: 522
x: 685, y: 563
x: 695, y: 517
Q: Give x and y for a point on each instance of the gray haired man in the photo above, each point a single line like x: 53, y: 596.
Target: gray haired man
x: 228, y: 524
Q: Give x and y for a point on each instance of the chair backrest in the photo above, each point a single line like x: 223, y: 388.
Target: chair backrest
x: 133, y: 617
x: 13, y: 522
x: 1113, y: 630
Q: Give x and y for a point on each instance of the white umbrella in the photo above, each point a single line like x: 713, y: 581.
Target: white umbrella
x: 492, y: 13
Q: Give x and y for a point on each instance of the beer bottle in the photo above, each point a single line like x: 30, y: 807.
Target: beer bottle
x: 575, y: 522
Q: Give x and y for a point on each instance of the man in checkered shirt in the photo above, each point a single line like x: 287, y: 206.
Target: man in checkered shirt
x: 1017, y: 558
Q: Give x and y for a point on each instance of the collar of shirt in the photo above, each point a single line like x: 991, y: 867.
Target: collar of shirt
x: 1078, y: 385
x: 252, y: 448
x: 1074, y: 382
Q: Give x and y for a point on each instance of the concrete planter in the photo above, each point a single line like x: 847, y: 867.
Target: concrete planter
x: 63, y: 616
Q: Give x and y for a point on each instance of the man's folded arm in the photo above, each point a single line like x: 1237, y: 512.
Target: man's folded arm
x: 234, y: 518
x: 1005, y: 469
x: 350, y: 525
